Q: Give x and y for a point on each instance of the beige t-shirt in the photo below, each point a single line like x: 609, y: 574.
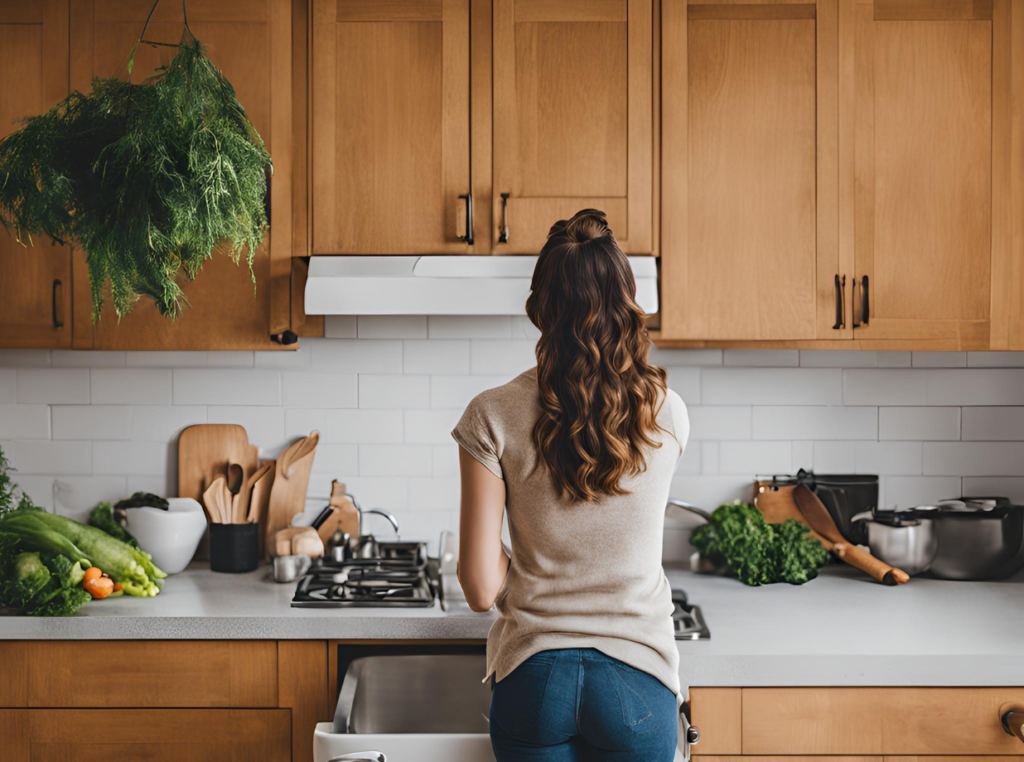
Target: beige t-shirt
x: 587, y: 575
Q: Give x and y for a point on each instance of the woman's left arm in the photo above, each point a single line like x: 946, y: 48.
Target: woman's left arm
x: 482, y: 560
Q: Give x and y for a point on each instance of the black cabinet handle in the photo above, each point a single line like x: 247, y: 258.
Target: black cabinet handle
x: 56, y: 304
x: 840, y: 312
x: 503, y: 233
x: 468, y: 238
x: 865, y: 307
x: 865, y: 301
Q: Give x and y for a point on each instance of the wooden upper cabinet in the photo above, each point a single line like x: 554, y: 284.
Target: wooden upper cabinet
x: 749, y: 184
x: 391, y: 127
x: 572, y: 119
x: 35, y: 281
x: 251, y: 43
x: 927, y: 116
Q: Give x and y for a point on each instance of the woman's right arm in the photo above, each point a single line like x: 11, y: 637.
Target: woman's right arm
x: 483, y: 563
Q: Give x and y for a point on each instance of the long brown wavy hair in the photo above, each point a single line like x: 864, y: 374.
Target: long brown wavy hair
x: 599, y: 396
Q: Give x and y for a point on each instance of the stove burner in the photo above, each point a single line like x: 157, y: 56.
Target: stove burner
x: 398, y: 577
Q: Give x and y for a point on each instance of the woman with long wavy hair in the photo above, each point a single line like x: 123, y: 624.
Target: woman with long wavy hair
x: 578, y: 452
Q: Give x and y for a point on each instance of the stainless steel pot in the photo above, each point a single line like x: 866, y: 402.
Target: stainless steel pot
x: 979, y: 538
x: 900, y: 538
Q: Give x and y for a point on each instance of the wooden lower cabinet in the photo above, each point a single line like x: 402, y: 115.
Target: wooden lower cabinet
x: 890, y: 724
x: 154, y: 735
x: 161, y: 701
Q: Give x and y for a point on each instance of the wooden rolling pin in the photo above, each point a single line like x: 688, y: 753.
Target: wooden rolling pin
x: 817, y: 517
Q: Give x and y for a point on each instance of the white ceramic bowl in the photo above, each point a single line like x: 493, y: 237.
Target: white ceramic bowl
x: 170, y: 536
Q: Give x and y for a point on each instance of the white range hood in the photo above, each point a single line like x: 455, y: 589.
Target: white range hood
x: 438, y: 285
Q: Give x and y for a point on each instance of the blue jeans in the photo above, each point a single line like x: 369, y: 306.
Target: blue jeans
x: 578, y: 705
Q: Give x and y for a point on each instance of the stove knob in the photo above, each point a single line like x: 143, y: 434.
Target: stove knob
x: 692, y: 735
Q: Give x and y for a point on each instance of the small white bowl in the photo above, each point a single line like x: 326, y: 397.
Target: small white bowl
x: 170, y: 536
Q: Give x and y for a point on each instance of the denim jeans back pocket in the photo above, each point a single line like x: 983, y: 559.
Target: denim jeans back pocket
x: 517, y: 703
x: 632, y: 686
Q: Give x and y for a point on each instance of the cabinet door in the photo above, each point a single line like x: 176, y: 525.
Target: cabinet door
x: 923, y: 121
x: 749, y: 183
x: 154, y: 735
x: 251, y: 43
x: 572, y: 119
x: 391, y: 126
x: 35, y: 281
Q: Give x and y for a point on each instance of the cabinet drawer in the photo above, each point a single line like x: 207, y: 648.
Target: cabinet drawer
x: 890, y: 721
x: 103, y: 674
x: 153, y: 735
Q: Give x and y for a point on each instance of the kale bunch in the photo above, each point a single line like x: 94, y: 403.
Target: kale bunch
x: 147, y: 179
x: 737, y: 539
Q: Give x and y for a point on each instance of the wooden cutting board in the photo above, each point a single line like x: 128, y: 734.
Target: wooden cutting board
x: 778, y: 504
x: 206, y: 450
x: 288, y: 492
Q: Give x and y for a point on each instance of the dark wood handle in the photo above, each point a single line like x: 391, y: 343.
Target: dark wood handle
x: 58, y: 304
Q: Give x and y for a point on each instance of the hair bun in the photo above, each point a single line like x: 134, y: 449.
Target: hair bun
x: 585, y: 225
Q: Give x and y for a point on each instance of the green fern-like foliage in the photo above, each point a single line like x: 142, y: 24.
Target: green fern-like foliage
x: 147, y: 179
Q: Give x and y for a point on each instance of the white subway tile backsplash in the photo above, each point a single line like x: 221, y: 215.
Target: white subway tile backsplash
x: 894, y: 360
x: 919, y: 423
x: 385, y: 403
x: 24, y: 358
x: 457, y: 391
x: 340, y: 327
x: 131, y: 386
x: 974, y: 458
x: 861, y: 358
x: 92, y: 422
x: 507, y: 357
x: 753, y: 458
x: 686, y: 383
x: 8, y: 385
x: 897, y: 458
x: 141, y: 458
x: 168, y: 359
x: 885, y: 387
x: 76, y: 496
x: 297, y: 359
x: 430, y: 426
x: 432, y: 356
x: 939, y: 359
x: 45, y: 456
x: 339, y: 461
x: 908, y: 491
x: 395, y: 460
x: 976, y: 386
x: 719, y: 422
x: 988, y: 486
x: 230, y: 359
x: 163, y: 423
x: 24, y: 421
x: 771, y: 386
x: 672, y: 358
x: 391, y: 327
x: 364, y: 427
x: 995, y: 359
x: 469, y: 327
x: 394, y: 392
x: 209, y: 386
x: 71, y: 358
x: 434, y: 494
x: 53, y: 386
x: 324, y: 390
x: 357, y: 356
x: 993, y: 423
x: 804, y: 422
x: 264, y: 425
x: 762, y: 358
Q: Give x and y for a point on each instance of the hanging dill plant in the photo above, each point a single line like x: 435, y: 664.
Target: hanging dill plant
x: 147, y: 179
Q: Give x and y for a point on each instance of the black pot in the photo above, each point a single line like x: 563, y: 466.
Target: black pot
x: 978, y: 544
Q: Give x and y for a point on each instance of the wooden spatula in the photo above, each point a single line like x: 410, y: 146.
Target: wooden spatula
x: 817, y: 517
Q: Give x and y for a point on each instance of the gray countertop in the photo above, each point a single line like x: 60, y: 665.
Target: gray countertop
x: 841, y: 629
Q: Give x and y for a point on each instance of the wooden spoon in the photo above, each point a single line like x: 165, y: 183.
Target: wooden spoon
x: 213, y: 500
x: 820, y: 521
x: 296, y: 452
